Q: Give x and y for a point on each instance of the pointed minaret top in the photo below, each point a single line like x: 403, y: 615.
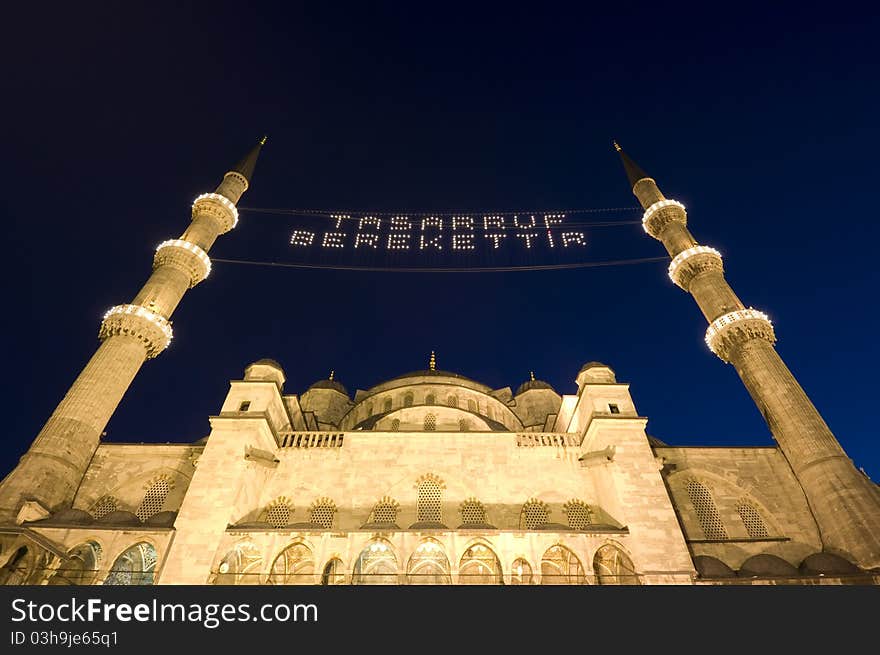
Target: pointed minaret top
x: 249, y: 161
x: 432, y: 363
x: 633, y: 172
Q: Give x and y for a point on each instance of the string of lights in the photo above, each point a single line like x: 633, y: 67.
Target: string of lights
x: 356, y: 214
x: 446, y: 269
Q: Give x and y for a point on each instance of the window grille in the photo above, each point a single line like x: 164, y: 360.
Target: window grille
x: 707, y: 513
x: 154, y: 499
x: 429, y: 500
x: 534, y: 515
x: 751, y: 518
x: 430, y: 423
x: 578, y: 514
x: 104, y: 506
x: 473, y: 512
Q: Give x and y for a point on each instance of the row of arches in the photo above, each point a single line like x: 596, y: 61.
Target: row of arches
x: 379, y: 564
x: 83, y: 566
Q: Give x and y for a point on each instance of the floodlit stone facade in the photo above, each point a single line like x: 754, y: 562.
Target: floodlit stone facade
x: 432, y: 477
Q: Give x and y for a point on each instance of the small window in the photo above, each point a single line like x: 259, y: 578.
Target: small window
x: 395, y: 425
x: 472, y: 406
x: 245, y: 406
x: 452, y: 401
x: 463, y: 425
x: 408, y: 400
x: 430, y: 423
x: 387, y: 405
x: 613, y: 408
x: 429, y: 399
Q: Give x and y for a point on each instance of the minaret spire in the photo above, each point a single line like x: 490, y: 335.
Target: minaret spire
x: 246, y: 164
x: 845, y: 503
x: 52, y: 469
x: 634, y: 173
x: 432, y: 363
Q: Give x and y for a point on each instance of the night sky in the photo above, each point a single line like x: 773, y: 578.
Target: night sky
x: 762, y: 122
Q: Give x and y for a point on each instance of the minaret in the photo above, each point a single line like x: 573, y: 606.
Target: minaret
x: 845, y: 502
x: 51, y: 470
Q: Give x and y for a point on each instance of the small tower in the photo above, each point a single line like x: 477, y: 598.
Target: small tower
x: 845, y: 502
x: 52, y: 468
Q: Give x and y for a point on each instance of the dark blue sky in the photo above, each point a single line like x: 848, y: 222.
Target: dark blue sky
x: 761, y: 121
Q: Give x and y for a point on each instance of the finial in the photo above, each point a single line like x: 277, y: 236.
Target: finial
x: 616, y: 145
x: 433, y: 362
x: 532, y: 375
x: 332, y: 373
x: 263, y: 140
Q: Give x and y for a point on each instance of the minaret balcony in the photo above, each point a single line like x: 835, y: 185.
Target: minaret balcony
x: 660, y: 214
x: 186, y: 256
x: 689, y: 263
x: 148, y: 327
x: 218, y: 207
x: 733, y: 328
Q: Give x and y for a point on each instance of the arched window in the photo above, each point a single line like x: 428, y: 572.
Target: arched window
x: 387, y: 405
x: 428, y: 565
x: 472, y: 405
x: 751, y: 518
x: 479, y: 565
x: 463, y: 425
x: 452, y: 401
x: 430, y: 423
x: 534, y: 515
x: 80, y: 567
x: 429, y: 399
x: 612, y: 566
x: 322, y: 512
x: 561, y: 566
x: 430, y: 492
x: 240, y: 566
x: 104, y: 506
x: 154, y: 499
x: 578, y: 514
x: 385, y: 512
x: 707, y: 513
x: 521, y: 572
x: 133, y: 567
x: 278, y: 513
x: 472, y: 512
x: 408, y: 400
x: 368, y: 410
x: 375, y: 565
x: 294, y: 565
x: 395, y: 425
x: 333, y: 573
x: 16, y: 569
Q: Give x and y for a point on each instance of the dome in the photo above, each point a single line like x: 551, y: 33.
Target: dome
x: 266, y: 362
x: 533, y: 384
x: 329, y: 384
x: 592, y: 365
x: 433, y: 373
